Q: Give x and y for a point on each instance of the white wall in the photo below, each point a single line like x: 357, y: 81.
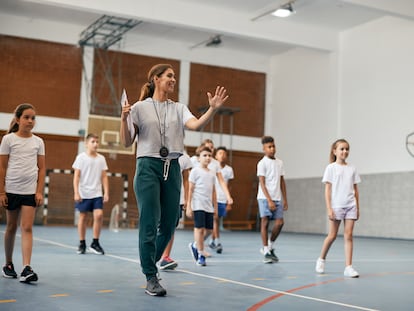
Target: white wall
x: 303, y: 113
x: 377, y: 93
x: 363, y: 93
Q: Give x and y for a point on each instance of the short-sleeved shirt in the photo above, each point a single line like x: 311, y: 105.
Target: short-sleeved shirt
x: 22, y: 168
x: 272, y: 170
x: 228, y: 174
x: 185, y: 164
x: 153, y: 119
x: 91, y: 169
x: 342, y: 178
x: 215, y: 167
x: 203, y: 191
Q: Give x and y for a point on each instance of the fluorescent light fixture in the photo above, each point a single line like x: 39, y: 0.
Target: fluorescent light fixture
x: 284, y: 11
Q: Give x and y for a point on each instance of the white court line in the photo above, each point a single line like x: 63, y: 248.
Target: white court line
x: 218, y: 278
x: 72, y: 247
x: 226, y: 280
x: 277, y: 291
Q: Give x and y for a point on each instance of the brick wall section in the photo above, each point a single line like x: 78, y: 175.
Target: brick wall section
x: 127, y: 71
x: 45, y: 74
x: 246, y: 90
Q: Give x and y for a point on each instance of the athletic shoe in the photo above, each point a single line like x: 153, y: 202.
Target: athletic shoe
x: 28, y: 275
x: 320, y: 265
x: 212, y: 245
x: 273, y: 255
x: 194, y: 251
x: 201, y: 261
x: 350, y: 272
x: 168, y: 264
x: 154, y: 288
x: 219, y: 248
x: 267, y: 258
x: 9, y: 272
x: 81, y: 249
x: 96, y: 249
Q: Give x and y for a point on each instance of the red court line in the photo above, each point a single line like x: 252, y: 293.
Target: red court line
x: 260, y: 304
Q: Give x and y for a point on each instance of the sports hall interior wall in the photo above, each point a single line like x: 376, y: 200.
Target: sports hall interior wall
x: 385, y: 206
x: 48, y: 75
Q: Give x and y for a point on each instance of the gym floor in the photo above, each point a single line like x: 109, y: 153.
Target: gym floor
x: 237, y: 279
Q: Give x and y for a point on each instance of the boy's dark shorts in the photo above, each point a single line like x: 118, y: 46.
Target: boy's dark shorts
x: 222, y: 212
x: 15, y: 201
x: 89, y: 205
x: 203, y: 219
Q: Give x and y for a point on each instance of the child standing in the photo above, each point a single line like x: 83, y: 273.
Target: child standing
x: 222, y: 202
x: 22, y: 175
x: 214, y: 166
x: 88, y: 179
x: 271, y: 197
x: 202, y: 203
x: 342, y: 203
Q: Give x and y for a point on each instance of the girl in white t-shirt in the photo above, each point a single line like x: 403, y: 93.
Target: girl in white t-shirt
x: 342, y: 203
x: 22, y: 175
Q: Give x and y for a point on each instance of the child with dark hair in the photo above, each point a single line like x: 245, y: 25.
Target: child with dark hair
x: 22, y: 175
x: 271, y: 197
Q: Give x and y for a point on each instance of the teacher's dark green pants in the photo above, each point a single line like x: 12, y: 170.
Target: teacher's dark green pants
x: 158, y: 203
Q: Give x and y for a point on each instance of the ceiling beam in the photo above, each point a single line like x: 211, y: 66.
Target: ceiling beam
x: 186, y: 14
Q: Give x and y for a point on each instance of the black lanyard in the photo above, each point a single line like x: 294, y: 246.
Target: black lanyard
x: 163, y: 150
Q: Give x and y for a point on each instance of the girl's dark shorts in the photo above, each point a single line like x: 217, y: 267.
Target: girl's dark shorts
x: 15, y: 201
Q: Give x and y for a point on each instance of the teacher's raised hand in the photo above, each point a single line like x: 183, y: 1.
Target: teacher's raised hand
x: 219, y: 97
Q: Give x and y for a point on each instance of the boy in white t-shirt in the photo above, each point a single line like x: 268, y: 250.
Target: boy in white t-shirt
x: 271, y: 197
x: 202, y: 203
x: 221, y: 185
x: 88, y: 180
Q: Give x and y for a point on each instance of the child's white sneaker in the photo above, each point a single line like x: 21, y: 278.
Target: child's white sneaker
x: 320, y: 265
x: 350, y: 272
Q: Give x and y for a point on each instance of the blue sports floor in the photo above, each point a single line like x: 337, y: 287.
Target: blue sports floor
x: 237, y: 279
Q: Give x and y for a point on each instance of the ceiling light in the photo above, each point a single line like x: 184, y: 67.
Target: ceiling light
x: 284, y: 11
x: 214, y: 41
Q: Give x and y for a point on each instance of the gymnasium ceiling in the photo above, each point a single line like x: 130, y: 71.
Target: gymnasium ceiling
x: 316, y: 23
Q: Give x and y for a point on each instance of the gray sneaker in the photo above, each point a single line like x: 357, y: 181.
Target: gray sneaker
x: 154, y: 288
